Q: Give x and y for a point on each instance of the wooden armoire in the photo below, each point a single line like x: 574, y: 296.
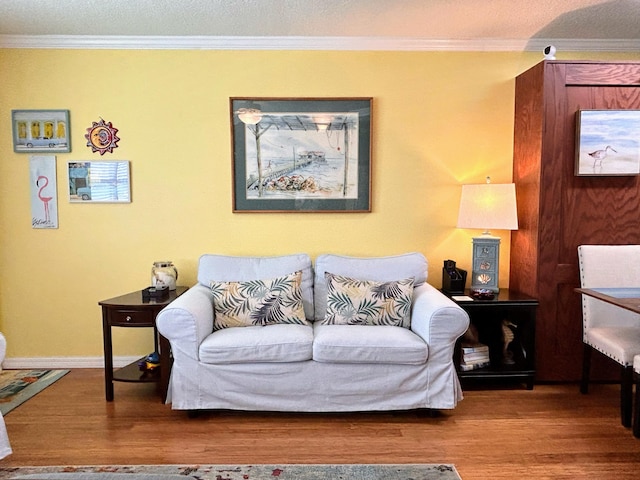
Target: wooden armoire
x: 557, y: 210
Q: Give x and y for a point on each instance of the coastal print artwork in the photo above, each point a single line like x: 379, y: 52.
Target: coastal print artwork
x: 301, y: 154
x: 45, y: 131
x: 44, y: 191
x: 608, y: 143
x: 99, y: 181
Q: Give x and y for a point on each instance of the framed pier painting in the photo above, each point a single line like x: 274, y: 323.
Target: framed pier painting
x: 301, y: 154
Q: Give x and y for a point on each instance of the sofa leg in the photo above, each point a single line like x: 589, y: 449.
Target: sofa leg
x: 429, y: 412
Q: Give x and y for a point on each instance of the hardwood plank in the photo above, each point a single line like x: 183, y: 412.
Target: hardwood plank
x: 508, y: 432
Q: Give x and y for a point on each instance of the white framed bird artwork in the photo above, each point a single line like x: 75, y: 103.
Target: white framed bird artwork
x: 607, y: 143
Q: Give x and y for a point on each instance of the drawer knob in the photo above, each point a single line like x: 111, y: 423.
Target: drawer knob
x: 128, y: 318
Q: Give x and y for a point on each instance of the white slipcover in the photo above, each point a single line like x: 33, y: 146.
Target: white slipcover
x: 5, y: 446
x: 319, y: 368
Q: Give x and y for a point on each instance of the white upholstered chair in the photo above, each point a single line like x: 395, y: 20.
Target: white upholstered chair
x: 636, y: 409
x: 3, y: 349
x: 5, y: 446
x: 611, y: 330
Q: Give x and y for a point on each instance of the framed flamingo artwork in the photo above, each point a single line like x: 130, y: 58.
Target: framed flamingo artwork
x: 607, y: 143
x: 44, y: 191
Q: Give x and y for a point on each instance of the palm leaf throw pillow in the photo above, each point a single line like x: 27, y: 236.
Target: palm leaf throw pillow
x: 258, y: 302
x: 365, y: 302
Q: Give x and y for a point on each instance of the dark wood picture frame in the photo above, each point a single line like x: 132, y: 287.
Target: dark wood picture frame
x: 301, y: 154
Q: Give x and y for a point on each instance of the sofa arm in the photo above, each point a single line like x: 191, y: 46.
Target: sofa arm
x: 438, y: 320
x: 187, y: 321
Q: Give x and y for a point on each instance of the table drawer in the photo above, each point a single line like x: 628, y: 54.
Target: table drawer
x: 132, y: 317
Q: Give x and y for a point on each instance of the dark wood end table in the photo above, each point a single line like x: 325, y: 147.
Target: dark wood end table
x: 487, y: 316
x: 130, y: 310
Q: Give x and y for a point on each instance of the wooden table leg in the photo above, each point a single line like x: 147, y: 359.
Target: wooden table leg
x: 108, y: 355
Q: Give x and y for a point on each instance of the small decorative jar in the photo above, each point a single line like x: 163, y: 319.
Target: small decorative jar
x: 164, y: 274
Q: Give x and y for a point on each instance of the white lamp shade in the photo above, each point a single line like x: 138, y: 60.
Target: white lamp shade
x: 488, y: 206
x: 249, y: 116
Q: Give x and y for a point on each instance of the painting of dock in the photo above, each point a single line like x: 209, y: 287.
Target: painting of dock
x: 310, y: 159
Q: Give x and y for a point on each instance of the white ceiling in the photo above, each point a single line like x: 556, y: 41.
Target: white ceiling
x: 609, y: 22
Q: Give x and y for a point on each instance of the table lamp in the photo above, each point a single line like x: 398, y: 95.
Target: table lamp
x: 487, y: 206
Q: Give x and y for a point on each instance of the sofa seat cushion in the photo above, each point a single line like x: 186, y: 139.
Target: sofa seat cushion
x: 368, y: 344
x: 270, y: 344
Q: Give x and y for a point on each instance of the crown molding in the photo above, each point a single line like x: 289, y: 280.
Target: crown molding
x: 117, y: 42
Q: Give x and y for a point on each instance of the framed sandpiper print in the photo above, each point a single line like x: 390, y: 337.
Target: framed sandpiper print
x: 301, y: 154
x: 607, y: 142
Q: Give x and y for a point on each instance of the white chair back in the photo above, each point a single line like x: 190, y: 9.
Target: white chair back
x: 608, y: 266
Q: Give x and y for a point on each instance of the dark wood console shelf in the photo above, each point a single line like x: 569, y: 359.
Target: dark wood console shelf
x: 487, y: 317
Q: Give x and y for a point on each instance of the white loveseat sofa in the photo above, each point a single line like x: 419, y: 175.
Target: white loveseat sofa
x: 314, y: 367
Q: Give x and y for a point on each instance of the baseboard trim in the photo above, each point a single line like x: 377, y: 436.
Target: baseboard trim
x: 64, y: 362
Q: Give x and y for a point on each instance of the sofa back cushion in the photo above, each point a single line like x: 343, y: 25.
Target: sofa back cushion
x: 379, y: 269
x: 225, y: 268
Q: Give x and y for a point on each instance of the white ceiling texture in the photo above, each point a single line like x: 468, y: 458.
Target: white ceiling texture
x: 595, y: 25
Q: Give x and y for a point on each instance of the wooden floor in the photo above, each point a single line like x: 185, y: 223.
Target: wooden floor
x: 550, y: 432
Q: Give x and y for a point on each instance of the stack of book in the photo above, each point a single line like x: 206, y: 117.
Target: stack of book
x: 473, y: 356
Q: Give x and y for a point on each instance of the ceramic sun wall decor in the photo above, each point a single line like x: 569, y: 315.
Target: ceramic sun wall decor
x: 101, y: 137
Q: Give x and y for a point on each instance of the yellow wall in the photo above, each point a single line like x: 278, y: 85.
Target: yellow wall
x: 440, y: 119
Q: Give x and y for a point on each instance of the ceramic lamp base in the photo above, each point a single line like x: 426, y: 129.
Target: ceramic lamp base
x: 486, y: 256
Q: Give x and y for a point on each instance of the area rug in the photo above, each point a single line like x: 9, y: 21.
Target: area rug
x: 18, y: 386
x: 237, y: 472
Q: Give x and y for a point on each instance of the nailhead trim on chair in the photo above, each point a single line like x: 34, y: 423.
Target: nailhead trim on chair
x: 624, y: 364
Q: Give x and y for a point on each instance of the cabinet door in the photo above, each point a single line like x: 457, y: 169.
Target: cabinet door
x: 558, y: 211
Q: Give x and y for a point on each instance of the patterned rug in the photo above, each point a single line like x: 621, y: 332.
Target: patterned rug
x: 238, y: 472
x: 18, y: 386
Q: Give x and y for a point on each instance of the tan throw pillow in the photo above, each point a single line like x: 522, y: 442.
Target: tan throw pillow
x: 258, y: 302
x: 365, y: 302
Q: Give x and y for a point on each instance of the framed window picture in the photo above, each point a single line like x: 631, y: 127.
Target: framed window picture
x: 301, y: 154
x: 41, y: 131
x: 608, y: 142
x: 99, y: 182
